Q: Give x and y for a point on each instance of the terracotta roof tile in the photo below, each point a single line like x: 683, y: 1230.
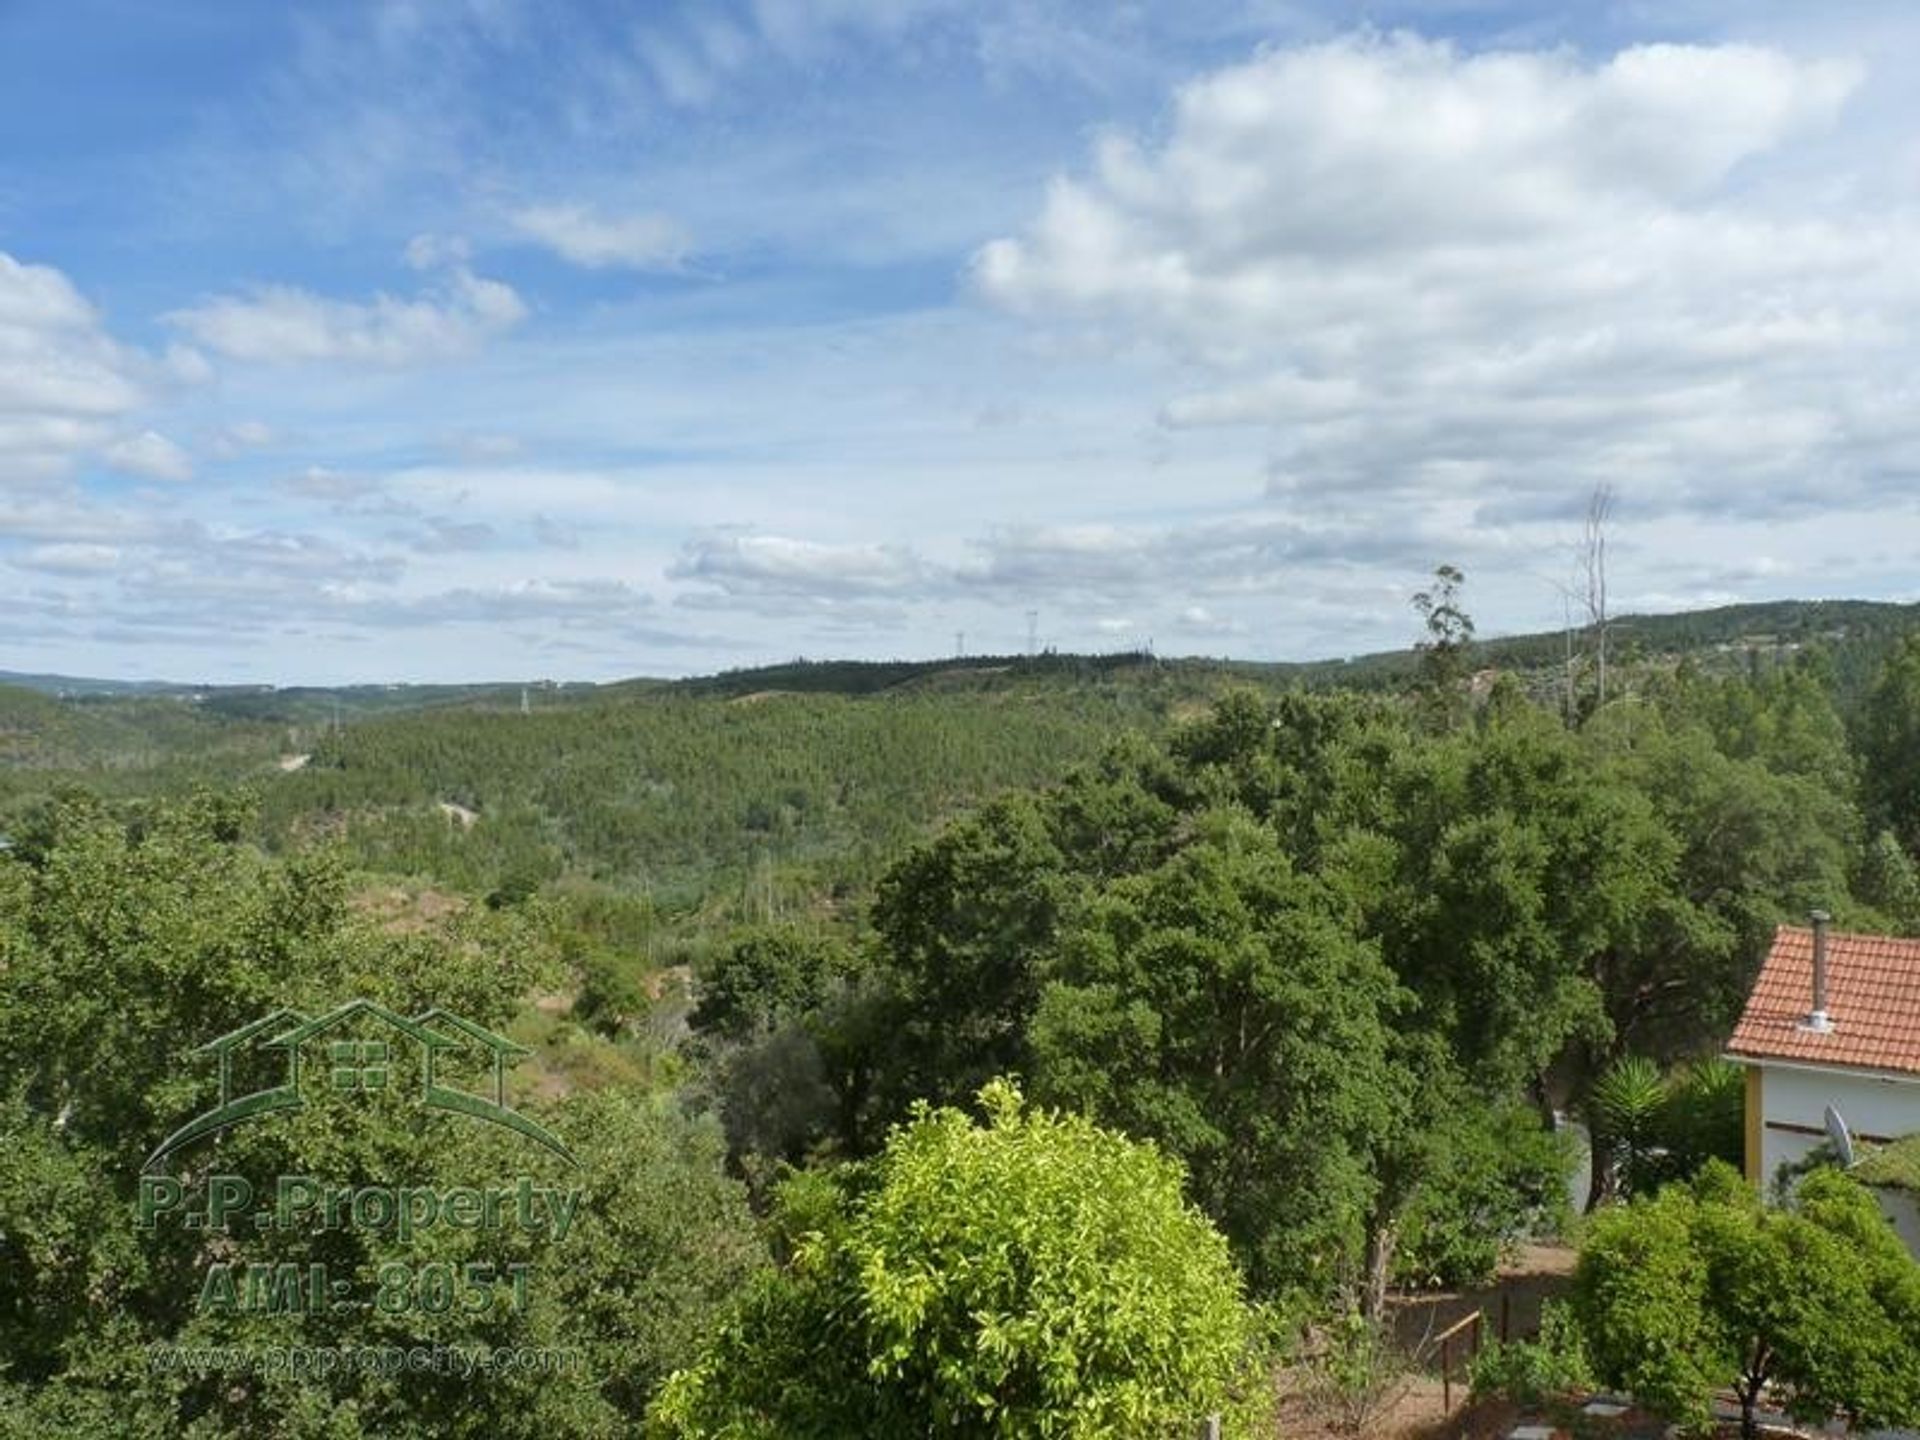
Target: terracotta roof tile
x: 1873, y: 1000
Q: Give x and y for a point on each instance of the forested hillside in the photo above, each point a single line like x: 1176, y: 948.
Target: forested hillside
x: 1296, y: 972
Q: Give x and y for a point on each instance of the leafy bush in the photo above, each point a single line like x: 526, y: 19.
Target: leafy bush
x: 1700, y: 1287
x: 1351, y: 1376
x: 1503, y: 1179
x: 1530, y: 1372
x: 1705, y: 1116
x: 1652, y: 1128
x: 1039, y: 1276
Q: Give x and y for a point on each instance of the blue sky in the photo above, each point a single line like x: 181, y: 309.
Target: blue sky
x: 487, y: 338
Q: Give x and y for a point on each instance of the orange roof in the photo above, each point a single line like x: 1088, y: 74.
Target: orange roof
x: 1873, y: 1000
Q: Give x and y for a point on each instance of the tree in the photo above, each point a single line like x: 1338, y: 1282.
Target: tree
x: 1219, y: 1006
x: 1623, y: 1116
x: 1443, y: 653
x: 1889, y: 881
x: 1035, y: 1276
x: 764, y: 977
x: 1593, y: 573
x: 1501, y: 1177
x: 1889, y: 742
x: 963, y: 921
x: 1700, y: 1287
x: 124, y: 945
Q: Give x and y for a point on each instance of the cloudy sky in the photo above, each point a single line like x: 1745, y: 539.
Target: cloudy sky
x: 442, y: 339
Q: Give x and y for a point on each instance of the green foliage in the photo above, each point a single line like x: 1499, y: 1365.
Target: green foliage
x: 1145, y: 938
x: 964, y: 923
x: 1218, y: 1005
x: 1534, y: 1372
x: 123, y: 947
x: 1624, y: 1111
x: 1889, y: 742
x: 1895, y: 1166
x: 1650, y: 1128
x: 1444, y: 652
x: 1354, y: 1370
x: 1501, y: 1178
x: 1889, y: 881
x: 1035, y: 1277
x: 1700, y: 1287
x: 1705, y: 1116
x: 767, y: 975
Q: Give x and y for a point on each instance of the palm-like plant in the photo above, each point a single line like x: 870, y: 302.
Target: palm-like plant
x: 1625, y: 1111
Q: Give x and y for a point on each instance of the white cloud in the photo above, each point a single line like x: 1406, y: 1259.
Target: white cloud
x: 317, y: 482
x: 282, y: 324
x: 65, y: 384
x: 1252, y: 554
x: 775, y: 565
x: 1199, y: 620
x: 240, y: 437
x: 478, y: 445
x: 593, y: 603
x: 579, y: 234
x: 70, y: 558
x: 1443, y: 275
x: 151, y: 454
x: 433, y: 252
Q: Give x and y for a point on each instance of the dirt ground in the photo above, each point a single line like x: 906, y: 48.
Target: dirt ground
x: 1536, y: 1273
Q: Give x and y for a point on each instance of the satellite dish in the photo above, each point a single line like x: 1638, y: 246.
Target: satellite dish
x: 1841, y: 1137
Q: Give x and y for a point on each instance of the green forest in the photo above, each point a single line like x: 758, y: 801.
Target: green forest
x: 1033, y: 1046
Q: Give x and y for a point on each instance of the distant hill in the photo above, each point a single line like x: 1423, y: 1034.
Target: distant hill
x: 1760, y: 626
x: 77, y: 685
x: 778, y: 790
x: 1775, y: 626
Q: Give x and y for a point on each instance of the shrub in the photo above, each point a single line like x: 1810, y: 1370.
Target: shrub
x: 1530, y: 1372
x: 1503, y: 1178
x: 1038, y: 1276
x: 1699, y: 1287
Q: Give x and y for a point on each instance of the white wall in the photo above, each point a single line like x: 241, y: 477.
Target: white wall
x: 1904, y: 1210
x: 1869, y: 1104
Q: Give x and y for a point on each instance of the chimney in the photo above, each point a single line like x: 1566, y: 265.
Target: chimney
x: 1819, y: 1020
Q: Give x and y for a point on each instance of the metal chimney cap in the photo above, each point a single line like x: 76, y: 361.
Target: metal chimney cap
x: 1819, y: 917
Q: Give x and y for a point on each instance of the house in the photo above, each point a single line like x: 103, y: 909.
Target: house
x: 1830, y: 1039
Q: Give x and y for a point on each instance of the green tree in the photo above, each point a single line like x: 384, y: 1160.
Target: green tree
x: 126, y: 945
x: 1445, y: 649
x: 1701, y: 1287
x: 1889, y: 881
x: 1035, y: 1277
x: 1624, y: 1111
x: 1889, y: 743
x: 766, y: 976
x: 1220, y: 1006
x: 1499, y: 1177
x: 963, y: 922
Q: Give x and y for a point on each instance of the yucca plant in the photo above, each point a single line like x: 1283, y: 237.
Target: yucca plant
x: 1626, y: 1110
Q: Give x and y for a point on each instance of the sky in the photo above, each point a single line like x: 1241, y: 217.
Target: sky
x: 435, y: 340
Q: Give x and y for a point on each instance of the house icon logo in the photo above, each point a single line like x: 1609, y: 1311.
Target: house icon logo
x: 359, y: 1048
